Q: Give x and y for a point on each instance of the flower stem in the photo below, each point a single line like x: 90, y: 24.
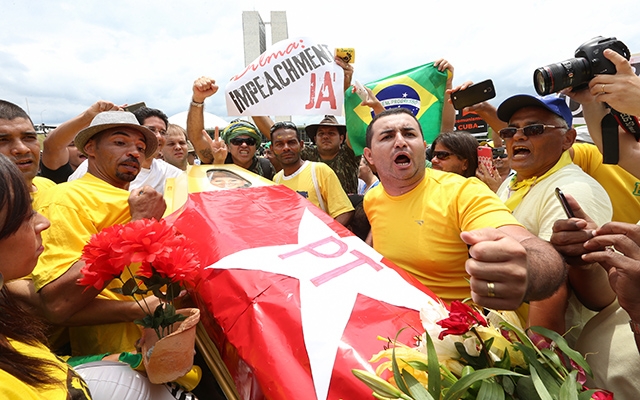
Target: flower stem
x: 483, y: 347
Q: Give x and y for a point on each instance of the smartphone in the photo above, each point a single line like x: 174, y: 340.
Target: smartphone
x: 346, y: 54
x: 485, y: 157
x: 474, y: 94
x: 360, y: 90
x: 565, y: 204
x: 135, y: 106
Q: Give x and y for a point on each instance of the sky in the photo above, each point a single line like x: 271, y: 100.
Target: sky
x: 59, y: 57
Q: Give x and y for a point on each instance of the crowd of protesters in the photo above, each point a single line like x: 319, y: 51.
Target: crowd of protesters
x: 495, y: 233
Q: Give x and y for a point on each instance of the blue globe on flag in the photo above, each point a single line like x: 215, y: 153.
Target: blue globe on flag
x: 395, y: 96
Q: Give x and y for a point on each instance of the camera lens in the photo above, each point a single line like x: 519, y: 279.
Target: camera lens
x: 555, y: 77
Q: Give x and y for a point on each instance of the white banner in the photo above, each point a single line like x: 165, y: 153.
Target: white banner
x: 293, y: 77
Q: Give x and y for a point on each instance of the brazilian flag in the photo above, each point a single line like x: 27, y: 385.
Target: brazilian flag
x: 419, y: 89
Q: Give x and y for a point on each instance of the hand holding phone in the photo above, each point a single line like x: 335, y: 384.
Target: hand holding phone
x: 485, y: 157
x: 565, y: 203
x: 474, y: 94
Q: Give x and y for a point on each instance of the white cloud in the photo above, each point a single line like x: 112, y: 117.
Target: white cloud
x: 63, y: 56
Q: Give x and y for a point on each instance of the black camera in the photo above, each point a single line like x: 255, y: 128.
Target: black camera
x: 577, y: 72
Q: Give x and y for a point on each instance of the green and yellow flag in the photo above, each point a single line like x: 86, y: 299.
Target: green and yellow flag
x: 419, y: 89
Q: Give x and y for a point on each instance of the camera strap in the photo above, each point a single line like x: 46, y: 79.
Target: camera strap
x: 628, y: 122
x: 610, y: 146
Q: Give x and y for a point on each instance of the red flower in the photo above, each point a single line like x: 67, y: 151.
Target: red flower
x: 155, y: 244
x: 145, y: 239
x: 461, y: 319
x: 178, y: 263
x: 102, y: 264
x: 602, y: 395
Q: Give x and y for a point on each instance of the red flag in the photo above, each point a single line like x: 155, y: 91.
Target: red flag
x: 293, y: 299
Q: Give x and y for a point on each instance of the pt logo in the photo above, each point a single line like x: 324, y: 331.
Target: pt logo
x: 636, y: 190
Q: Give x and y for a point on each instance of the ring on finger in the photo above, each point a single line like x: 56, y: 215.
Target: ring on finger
x: 491, y: 289
x: 602, y: 88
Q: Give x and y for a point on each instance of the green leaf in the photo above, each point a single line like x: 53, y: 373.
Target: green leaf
x: 459, y: 388
x: 548, y: 381
x: 564, y: 346
x: 419, y: 365
x: 490, y: 390
x: 130, y: 287
x: 488, y: 343
x: 477, y: 362
x: 505, y: 363
x: 525, y: 389
x: 396, y: 371
x: 540, y: 386
x: 553, y: 358
x: 435, y: 381
x: 377, y: 384
x: 508, y: 385
x: 417, y: 391
x: 569, y: 389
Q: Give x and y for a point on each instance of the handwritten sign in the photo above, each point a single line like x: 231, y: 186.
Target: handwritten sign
x: 294, y: 77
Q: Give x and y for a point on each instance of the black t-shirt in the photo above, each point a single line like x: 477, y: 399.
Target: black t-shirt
x: 57, y: 175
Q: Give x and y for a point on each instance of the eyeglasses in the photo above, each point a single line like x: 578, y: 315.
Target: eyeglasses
x: 283, y: 125
x: 442, y: 155
x: 239, y: 141
x: 156, y: 130
x: 530, y: 130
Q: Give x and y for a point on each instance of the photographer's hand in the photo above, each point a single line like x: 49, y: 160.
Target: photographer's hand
x: 622, y: 90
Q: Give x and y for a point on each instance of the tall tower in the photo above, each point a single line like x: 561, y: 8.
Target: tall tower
x: 255, y: 33
x: 255, y: 36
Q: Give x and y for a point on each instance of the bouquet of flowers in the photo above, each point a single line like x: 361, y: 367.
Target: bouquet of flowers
x: 167, y: 263
x: 465, y: 355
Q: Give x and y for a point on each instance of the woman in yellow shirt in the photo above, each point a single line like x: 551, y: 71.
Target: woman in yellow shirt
x: 28, y: 370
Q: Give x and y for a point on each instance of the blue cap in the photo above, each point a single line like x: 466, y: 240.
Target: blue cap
x: 555, y: 104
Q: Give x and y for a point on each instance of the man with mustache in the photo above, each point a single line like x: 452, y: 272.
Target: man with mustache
x: 115, y: 145
x: 154, y: 171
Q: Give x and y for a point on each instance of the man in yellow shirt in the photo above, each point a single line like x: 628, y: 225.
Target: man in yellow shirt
x: 115, y: 145
x: 429, y: 222
x: 19, y: 142
x: 315, y: 181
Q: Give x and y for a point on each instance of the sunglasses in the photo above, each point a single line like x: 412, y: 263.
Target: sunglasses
x: 442, y: 155
x: 530, y: 130
x: 239, y: 141
x: 283, y: 125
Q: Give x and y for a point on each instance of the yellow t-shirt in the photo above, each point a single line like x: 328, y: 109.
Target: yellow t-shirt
x: 333, y: 200
x: 622, y: 187
x: 72, y: 387
x: 77, y: 210
x: 420, y: 230
x: 41, y: 184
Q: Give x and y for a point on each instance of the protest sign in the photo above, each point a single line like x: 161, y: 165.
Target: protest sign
x: 293, y: 77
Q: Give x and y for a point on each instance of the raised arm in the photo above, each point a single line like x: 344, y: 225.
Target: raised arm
x: 486, y: 111
x: 54, y: 147
x: 203, y: 87
x: 594, y: 110
x: 448, y: 112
